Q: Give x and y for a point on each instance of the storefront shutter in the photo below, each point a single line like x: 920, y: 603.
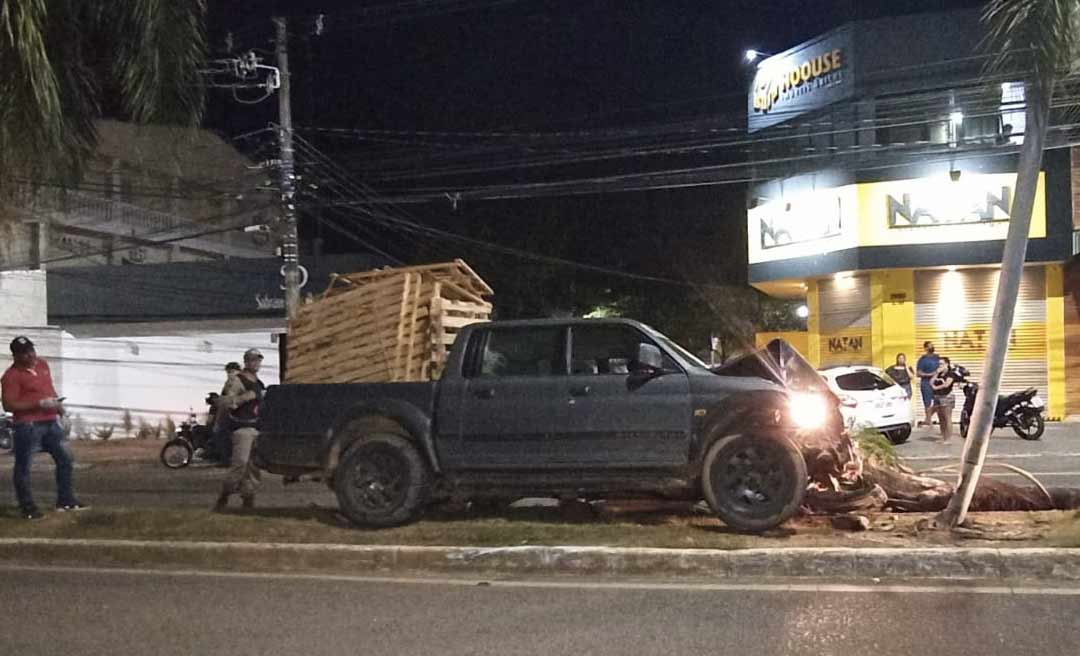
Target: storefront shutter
x: 953, y: 309
x: 844, y: 309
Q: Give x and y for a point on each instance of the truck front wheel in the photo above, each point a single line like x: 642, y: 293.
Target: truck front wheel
x: 753, y: 482
x: 382, y: 481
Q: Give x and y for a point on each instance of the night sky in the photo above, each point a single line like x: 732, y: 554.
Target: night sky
x: 532, y: 66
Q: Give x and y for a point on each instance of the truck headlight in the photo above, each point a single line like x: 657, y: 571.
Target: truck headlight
x: 808, y: 410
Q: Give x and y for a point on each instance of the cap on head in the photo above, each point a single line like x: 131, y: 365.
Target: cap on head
x: 253, y: 354
x: 21, y: 344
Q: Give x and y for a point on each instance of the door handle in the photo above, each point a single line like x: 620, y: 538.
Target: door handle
x: 488, y: 393
x: 580, y: 391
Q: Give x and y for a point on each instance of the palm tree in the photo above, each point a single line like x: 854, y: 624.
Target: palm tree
x: 1042, y: 35
x: 64, y: 63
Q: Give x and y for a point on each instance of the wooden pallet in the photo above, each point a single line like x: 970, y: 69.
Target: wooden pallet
x: 387, y: 325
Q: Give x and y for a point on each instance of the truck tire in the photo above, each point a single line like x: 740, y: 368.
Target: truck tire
x: 754, y: 483
x: 382, y: 481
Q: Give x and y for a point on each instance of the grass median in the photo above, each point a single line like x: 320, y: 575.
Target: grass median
x: 534, y: 526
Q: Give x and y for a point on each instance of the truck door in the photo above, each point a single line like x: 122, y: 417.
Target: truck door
x: 500, y: 414
x: 606, y: 421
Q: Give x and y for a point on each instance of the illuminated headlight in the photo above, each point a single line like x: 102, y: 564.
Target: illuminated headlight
x: 808, y: 410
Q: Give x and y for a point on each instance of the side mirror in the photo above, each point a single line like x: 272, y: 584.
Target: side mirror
x: 648, y: 358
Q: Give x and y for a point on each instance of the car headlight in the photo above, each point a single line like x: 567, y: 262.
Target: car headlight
x: 808, y: 410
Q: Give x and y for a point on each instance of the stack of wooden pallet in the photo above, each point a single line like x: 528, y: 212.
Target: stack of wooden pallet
x: 387, y: 325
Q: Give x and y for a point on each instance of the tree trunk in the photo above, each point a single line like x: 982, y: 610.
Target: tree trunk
x: 1012, y: 269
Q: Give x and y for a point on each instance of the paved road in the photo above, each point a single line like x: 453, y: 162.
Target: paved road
x: 92, y: 612
x: 1055, y: 459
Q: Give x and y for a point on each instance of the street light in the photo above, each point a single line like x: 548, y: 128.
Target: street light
x: 752, y: 55
x: 957, y: 118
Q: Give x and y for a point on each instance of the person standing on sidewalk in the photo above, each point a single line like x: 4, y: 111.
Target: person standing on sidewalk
x: 926, y: 368
x: 28, y: 393
x: 901, y: 373
x: 942, y: 384
x: 243, y: 395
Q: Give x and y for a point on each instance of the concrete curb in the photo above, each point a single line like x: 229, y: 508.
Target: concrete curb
x: 845, y: 563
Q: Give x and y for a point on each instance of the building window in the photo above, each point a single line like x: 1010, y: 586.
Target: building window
x: 1013, y: 120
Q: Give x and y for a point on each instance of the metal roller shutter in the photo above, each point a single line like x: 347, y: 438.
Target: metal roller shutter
x: 844, y: 309
x: 953, y: 309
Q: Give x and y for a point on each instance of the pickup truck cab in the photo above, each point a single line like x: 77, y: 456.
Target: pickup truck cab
x: 550, y: 408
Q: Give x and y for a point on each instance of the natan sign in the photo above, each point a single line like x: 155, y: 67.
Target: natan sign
x: 802, y: 79
x: 931, y: 210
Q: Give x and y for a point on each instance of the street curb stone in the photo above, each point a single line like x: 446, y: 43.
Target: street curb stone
x: 965, y: 563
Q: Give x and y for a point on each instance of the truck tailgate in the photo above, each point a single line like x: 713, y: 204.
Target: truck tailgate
x: 295, y: 419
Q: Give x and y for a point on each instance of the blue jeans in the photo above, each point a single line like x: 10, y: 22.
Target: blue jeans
x: 44, y: 436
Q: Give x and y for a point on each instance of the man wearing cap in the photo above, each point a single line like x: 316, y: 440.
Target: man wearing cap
x: 28, y: 393
x: 241, y: 396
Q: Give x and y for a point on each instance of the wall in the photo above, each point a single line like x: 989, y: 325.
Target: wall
x: 799, y: 339
x: 155, y: 376
x: 23, y: 298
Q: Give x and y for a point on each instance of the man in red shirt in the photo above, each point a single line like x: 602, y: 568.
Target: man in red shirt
x: 28, y: 393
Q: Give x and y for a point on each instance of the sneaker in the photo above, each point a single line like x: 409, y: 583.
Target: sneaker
x: 71, y: 507
x: 31, y: 514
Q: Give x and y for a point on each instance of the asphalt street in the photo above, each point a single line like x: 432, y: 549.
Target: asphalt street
x: 91, y: 612
x: 1055, y: 459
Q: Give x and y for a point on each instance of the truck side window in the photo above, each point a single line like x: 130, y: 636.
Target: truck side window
x: 523, y: 352
x: 606, y: 349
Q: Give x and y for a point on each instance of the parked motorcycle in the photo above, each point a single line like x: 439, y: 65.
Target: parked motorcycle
x: 7, y: 431
x: 1020, y: 410
x: 193, y: 441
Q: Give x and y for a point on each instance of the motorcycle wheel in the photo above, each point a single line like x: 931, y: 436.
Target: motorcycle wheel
x: 1029, y: 426
x: 176, y: 454
x: 5, y: 440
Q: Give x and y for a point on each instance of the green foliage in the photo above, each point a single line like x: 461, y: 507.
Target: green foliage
x: 875, y: 446
x: 146, y: 430
x: 64, y: 61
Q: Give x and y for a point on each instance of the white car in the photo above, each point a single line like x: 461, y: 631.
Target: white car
x: 870, y: 398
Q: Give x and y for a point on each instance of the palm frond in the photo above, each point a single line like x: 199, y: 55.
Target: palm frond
x: 159, y: 57
x: 1036, y: 38
x: 34, y: 98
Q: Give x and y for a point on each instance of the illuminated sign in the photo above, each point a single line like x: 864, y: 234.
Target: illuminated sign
x: 812, y: 73
x: 930, y: 210
x: 783, y: 223
x: 962, y: 204
x: 802, y: 79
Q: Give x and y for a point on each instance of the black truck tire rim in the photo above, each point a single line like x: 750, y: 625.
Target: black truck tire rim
x: 753, y: 479
x: 380, y: 480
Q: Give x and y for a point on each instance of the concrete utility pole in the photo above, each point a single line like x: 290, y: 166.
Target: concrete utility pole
x: 290, y: 249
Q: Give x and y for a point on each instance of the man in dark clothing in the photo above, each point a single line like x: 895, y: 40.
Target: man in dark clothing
x: 28, y: 393
x: 242, y: 397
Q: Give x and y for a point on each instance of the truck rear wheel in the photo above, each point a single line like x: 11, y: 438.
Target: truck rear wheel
x: 381, y: 481
x: 753, y: 482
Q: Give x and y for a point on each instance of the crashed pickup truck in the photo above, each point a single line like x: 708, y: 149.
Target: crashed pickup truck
x: 551, y: 408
